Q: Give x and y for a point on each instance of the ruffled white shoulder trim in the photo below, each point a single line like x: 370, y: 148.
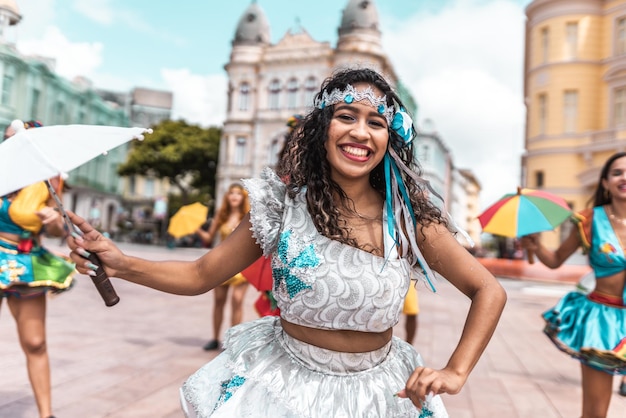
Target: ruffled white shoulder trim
x: 267, y: 205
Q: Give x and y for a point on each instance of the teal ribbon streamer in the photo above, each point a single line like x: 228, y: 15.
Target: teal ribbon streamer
x: 391, y: 169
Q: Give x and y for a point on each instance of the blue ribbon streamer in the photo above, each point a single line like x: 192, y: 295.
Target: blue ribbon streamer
x: 389, y: 167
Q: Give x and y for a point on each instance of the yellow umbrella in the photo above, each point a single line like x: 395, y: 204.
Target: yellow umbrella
x: 187, y: 219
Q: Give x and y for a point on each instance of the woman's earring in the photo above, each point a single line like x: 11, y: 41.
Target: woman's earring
x: 607, y: 195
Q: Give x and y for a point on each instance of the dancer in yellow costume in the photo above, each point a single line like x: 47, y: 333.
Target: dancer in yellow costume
x: 234, y: 206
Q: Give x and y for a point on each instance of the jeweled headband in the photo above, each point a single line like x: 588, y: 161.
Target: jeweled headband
x: 350, y: 95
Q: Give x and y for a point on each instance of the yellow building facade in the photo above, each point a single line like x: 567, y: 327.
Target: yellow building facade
x: 575, y: 96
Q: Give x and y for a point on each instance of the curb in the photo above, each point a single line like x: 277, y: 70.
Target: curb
x: 522, y: 270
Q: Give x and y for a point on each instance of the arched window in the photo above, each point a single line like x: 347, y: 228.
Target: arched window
x: 229, y: 101
x: 240, y: 151
x: 310, y: 88
x: 274, y: 95
x: 619, y: 107
x: 620, y: 42
x: 149, y: 187
x: 244, y: 96
x: 543, y: 113
x: 292, y: 93
x: 274, y: 150
x: 7, y: 86
x: 423, y: 154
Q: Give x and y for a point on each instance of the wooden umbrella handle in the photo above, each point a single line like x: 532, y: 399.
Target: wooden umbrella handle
x: 531, y: 256
x: 102, y: 283
x: 100, y: 280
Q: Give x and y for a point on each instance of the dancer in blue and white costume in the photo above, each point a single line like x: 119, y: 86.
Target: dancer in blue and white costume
x: 345, y: 221
x: 590, y: 325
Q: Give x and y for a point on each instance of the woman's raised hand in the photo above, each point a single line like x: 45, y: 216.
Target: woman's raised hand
x: 92, y: 241
x: 530, y: 242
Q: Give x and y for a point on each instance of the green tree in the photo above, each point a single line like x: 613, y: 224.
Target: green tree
x: 183, y: 153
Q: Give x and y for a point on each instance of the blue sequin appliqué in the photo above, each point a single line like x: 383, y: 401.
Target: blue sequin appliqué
x: 425, y: 413
x: 293, y: 254
x: 228, y: 389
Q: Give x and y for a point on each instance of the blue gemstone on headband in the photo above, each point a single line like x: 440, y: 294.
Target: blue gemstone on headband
x: 381, y: 108
x: 349, y: 99
x: 322, y: 105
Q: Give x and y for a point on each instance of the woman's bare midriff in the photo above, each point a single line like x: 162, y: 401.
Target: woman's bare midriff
x: 338, y: 340
x: 9, y: 237
x: 612, y: 285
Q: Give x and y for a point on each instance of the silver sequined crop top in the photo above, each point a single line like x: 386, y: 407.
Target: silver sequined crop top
x: 318, y: 282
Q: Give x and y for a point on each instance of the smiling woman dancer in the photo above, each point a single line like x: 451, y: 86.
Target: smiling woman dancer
x: 344, y: 229
x: 592, y: 327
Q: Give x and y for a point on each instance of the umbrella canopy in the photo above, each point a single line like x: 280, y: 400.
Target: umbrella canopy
x: 187, y: 219
x: 33, y: 155
x: 37, y: 154
x: 525, y: 212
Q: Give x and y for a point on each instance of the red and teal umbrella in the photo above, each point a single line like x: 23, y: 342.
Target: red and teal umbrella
x: 525, y: 212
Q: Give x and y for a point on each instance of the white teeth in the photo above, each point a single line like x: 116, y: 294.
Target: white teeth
x: 357, y: 152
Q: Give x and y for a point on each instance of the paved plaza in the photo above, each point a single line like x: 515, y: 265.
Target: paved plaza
x: 129, y: 360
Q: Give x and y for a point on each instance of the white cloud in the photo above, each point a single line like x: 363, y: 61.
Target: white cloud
x: 101, y: 11
x: 72, y: 58
x: 108, y: 14
x: 37, y: 15
x: 464, y: 65
x: 197, y: 99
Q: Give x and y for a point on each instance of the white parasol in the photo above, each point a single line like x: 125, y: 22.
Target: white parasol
x: 38, y: 154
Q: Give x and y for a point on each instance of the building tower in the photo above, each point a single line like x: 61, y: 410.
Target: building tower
x: 9, y: 16
x: 575, y: 96
x: 360, y: 39
x: 252, y: 36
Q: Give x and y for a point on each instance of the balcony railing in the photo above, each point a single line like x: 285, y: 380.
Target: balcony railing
x: 603, y: 136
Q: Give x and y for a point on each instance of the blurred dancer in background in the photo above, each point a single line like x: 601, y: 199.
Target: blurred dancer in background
x: 591, y: 327
x: 28, y: 271
x: 234, y: 206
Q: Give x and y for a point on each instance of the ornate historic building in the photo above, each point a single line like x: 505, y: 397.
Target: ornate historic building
x: 270, y: 82
x: 575, y: 95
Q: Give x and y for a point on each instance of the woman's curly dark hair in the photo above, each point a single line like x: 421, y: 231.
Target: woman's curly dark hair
x: 304, y: 162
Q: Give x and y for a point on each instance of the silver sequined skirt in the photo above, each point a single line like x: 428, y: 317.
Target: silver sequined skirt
x: 263, y: 372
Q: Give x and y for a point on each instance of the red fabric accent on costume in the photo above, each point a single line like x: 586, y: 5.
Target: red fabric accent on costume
x: 259, y: 274
x: 25, y: 245
x: 263, y: 306
x: 620, y: 349
x: 606, y: 299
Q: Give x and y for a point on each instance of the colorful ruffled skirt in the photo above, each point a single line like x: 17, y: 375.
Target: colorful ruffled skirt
x: 32, y: 273
x: 263, y: 372
x: 590, y: 328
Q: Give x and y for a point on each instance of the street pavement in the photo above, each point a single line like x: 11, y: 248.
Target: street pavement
x: 128, y: 361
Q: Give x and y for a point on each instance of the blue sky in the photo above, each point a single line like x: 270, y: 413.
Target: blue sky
x: 462, y: 60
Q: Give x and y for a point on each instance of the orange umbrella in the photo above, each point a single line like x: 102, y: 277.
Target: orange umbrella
x: 187, y: 220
